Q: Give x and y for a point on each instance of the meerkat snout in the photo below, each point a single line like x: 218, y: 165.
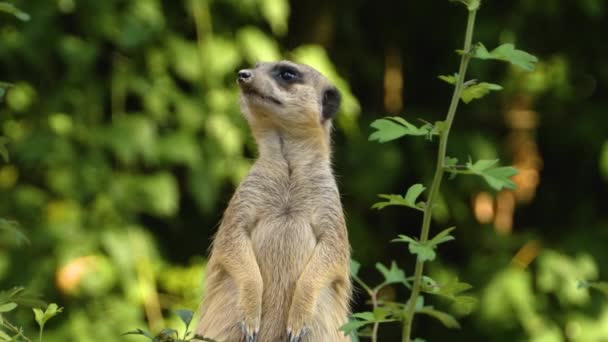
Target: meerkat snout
x: 244, y: 76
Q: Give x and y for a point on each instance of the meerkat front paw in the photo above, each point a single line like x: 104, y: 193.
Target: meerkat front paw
x: 250, y: 305
x: 297, y: 326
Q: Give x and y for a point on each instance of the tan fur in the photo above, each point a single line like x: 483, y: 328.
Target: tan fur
x: 279, y: 261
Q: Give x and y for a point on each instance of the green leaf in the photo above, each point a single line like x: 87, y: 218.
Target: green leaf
x: 429, y: 285
x: 452, y: 288
x: 185, y: 315
x: 353, y: 325
x: 464, y: 305
x: 449, y: 161
x: 413, y: 192
x: 409, y: 200
x: 11, y: 9
x: 366, y: 316
x: 451, y: 79
x: 394, y: 127
x: 448, y: 320
x: 139, y: 332
x: 507, y: 53
x: 404, y: 238
x: 477, y: 91
x: 394, y: 275
x: 51, y: 311
x: 7, y: 307
x: 443, y: 236
x: 423, y: 251
x: 496, y: 177
x: 354, y: 267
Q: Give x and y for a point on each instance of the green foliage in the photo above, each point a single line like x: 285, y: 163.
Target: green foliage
x: 472, y: 90
x: 172, y: 335
x: 425, y: 251
x: 394, y: 127
x: 497, y: 177
x: 42, y: 317
x: 11, y: 9
x: 477, y: 91
x: 507, y: 53
x: 391, y: 128
x: 409, y: 200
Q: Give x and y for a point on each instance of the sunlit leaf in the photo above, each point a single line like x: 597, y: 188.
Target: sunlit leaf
x: 451, y: 79
x: 448, y: 320
x: 11, y: 9
x: 42, y: 317
x: 394, y: 127
x: 423, y: 251
x: 409, y: 200
x: 7, y: 307
x: 507, y: 53
x: 393, y: 275
x: 276, y: 12
x: 477, y: 91
x: 353, y: 325
x: 257, y: 46
x: 443, y: 236
x: 496, y: 177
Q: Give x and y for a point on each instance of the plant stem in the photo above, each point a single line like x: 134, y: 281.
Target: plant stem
x: 376, y: 324
x: 439, y: 170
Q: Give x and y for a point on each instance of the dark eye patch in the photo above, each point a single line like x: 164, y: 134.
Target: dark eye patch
x: 287, y: 74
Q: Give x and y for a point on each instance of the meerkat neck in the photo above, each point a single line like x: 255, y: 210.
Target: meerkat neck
x: 297, y: 151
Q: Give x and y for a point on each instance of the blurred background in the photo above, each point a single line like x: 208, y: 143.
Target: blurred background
x: 126, y: 142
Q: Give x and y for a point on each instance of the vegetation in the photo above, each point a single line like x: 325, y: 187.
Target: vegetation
x: 121, y: 142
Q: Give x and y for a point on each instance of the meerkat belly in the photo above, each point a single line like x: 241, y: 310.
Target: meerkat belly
x: 282, y: 244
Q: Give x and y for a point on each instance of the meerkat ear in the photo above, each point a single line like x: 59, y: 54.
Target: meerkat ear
x: 331, y: 103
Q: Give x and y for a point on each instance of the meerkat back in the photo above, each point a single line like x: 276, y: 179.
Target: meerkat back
x: 278, y: 269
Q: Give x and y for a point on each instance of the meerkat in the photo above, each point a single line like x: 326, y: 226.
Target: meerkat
x: 279, y: 263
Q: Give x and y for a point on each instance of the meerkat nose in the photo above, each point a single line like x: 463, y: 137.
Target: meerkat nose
x: 244, y: 76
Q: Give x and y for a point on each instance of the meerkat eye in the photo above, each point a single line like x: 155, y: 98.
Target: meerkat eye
x: 288, y: 74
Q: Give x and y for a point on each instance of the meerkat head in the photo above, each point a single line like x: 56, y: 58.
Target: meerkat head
x: 291, y: 97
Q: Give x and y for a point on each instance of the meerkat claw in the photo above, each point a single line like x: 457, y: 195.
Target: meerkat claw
x: 250, y: 335
x: 291, y: 337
